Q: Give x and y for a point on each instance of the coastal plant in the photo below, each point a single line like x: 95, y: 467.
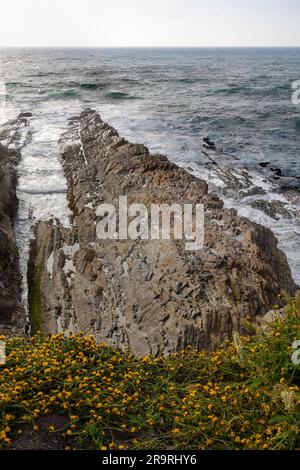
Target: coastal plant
x: 189, y: 400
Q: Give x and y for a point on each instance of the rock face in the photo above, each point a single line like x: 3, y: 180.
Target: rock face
x: 150, y: 296
x: 11, y: 311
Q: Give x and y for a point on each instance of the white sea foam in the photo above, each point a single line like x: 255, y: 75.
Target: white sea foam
x: 41, y: 186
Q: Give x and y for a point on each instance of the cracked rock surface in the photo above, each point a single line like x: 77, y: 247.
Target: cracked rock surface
x: 149, y: 296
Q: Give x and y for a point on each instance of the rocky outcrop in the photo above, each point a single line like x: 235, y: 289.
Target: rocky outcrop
x: 11, y: 311
x: 150, y: 296
x: 14, y: 135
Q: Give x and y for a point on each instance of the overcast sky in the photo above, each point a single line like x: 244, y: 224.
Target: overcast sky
x: 149, y: 23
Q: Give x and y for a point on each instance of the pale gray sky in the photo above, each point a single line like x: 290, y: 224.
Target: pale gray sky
x: 149, y: 23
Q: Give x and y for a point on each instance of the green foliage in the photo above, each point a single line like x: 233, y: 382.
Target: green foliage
x: 245, y: 396
x: 34, y: 298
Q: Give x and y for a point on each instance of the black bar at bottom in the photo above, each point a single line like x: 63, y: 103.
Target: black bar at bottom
x: 87, y: 460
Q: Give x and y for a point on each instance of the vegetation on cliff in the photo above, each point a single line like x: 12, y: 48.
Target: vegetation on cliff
x: 34, y: 296
x: 245, y: 396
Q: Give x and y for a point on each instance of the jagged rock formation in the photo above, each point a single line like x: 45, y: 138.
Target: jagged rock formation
x: 151, y: 296
x: 11, y: 311
x: 12, y: 140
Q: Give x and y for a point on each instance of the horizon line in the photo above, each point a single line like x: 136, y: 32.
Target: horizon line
x: 149, y: 47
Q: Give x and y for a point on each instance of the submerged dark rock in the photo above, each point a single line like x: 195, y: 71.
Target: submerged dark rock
x: 277, y: 171
x: 25, y: 115
x: 264, y: 164
x: 209, y: 144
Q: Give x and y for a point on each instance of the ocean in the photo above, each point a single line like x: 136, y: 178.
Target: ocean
x: 169, y: 100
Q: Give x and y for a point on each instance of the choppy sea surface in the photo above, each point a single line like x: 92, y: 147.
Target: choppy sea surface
x: 168, y: 99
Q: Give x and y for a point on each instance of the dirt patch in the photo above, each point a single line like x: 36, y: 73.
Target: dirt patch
x: 43, y: 438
